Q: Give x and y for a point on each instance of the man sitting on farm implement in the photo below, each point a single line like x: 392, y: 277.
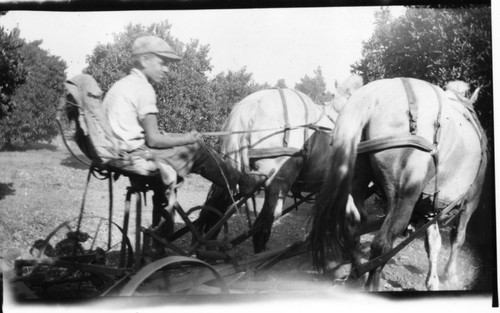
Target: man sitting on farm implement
x: 131, y: 110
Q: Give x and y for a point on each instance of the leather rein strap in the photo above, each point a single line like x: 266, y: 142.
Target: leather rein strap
x: 285, y: 114
x: 287, y: 127
x: 412, y: 105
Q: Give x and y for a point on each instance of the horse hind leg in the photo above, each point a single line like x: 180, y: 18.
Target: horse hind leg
x: 457, y: 239
x: 273, y: 202
x: 275, y: 197
x: 433, y: 247
x: 401, y: 201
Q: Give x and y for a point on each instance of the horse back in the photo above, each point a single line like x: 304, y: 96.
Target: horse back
x: 264, y: 115
x: 441, y: 120
x: 291, y: 109
x: 461, y: 150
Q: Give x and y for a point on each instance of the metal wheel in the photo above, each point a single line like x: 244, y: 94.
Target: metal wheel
x: 175, y: 275
x: 79, y: 258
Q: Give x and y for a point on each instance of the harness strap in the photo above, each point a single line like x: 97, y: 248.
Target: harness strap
x: 435, y: 153
x: 306, y: 116
x: 287, y: 122
x: 272, y: 152
x: 412, y: 105
x: 395, y: 142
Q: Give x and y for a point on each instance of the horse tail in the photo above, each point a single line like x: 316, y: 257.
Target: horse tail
x: 234, y: 148
x: 329, y: 231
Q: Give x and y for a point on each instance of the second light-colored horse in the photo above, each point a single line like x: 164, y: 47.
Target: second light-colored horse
x: 258, y: 150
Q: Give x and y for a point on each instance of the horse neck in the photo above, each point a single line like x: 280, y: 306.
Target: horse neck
x: 331, y: 115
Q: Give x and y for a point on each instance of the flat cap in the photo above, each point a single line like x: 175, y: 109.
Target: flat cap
x: 156, y: 45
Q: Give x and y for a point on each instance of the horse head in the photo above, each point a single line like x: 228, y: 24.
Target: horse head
x: 461, y: 91
x: 343, y: 92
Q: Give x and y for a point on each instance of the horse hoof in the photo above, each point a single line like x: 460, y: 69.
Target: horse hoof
x: 451, y: 284
x: 432, y: 286
x: 432, y: 283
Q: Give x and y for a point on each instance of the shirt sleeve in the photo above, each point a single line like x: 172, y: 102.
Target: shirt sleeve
x: 147, y: 103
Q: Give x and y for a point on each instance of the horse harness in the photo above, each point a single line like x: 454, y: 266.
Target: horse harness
x: 418, y: 142
x: 452, y: 209
x: 285, y: 150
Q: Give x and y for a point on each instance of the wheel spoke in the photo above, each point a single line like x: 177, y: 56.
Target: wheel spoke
x: 96, y: 234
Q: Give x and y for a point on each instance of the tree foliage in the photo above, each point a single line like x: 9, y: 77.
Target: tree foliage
x: 230, y: 87
x: 314, y: 87
x: 33, y: 118
x: 436, y: 45
x: 12, y: 72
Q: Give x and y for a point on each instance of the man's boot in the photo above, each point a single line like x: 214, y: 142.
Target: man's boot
x: 163, y: 224
x: 222, y: 173
x: 249, y: 183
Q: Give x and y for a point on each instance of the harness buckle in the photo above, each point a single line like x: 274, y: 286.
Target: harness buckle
x: 434, y: 151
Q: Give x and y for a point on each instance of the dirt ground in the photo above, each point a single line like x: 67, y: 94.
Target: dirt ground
x: 43, y: 186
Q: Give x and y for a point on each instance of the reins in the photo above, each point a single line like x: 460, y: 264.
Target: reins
x: 237, y: 132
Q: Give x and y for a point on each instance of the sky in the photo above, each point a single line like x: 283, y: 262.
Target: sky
x: 273, y: 44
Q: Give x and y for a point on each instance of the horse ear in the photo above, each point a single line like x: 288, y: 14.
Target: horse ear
x: 358, y: 81
x: 475, y: 95
x: 336, y: 84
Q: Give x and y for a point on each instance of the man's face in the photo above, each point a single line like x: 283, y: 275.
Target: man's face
x: 154, y: 67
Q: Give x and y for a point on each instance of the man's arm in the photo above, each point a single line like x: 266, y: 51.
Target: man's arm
x: 156, y: 140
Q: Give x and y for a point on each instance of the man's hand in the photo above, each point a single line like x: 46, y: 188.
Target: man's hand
x: 196, y: 135
x: 167, y: 140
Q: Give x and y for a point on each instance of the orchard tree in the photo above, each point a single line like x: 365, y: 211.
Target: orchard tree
x: 33, y: 117
x: 314, y: 87
x: 12, y: 72
x: 436, y: 45
x: 185, y: 98
x: 231, y: 87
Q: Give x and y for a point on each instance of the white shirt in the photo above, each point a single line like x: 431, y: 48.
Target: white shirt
x: 127, y: 103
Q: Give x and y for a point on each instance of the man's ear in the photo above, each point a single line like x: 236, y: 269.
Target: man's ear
x: 141, y: 61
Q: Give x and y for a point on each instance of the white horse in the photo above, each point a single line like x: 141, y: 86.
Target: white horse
x: 434, y: 156
x: 278, y: 141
